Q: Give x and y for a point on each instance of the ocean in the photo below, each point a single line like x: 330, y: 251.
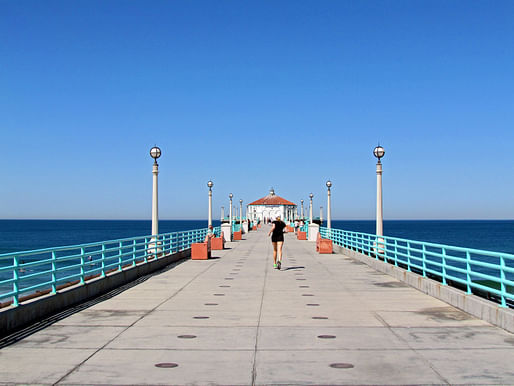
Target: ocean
x: 489, y: 235
x: 23, y: 235
x: 26, y: 235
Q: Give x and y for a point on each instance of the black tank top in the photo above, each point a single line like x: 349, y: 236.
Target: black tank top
x: 278, y: 232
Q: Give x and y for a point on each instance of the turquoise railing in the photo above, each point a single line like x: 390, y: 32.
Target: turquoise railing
x: 473, y: 269
x: 46, y: 270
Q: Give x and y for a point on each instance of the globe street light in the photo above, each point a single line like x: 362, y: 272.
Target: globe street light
x: 329, y: 214
x: 210, y: 184
x: 310, y: 208
x: 379, y: 152
x: 155, y: 153
x: 230, y: 211
x: 241, y: 215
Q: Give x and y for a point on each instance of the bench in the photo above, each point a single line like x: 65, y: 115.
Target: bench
x: 289, y: 228
x: 218, y: 243
x: 301, y: 235
x: 323, y: 245
x: 201, y: 251
x: 254, y: 228
x: 238, y: 235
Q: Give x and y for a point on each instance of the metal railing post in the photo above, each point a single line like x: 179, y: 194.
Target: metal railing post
x: 443, y: 268
x: 15, y: 283
x: 120, y: 254
x: 503, y: 286
x: 54, y: 276
x: 102, y: 274
x: 82, y: 262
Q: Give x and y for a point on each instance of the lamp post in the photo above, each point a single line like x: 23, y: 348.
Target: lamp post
x: 210, y: 184
x: 222, y: 213
x: 379, y: 152
x: 241, y: 215
x: 230, y: 210
x: 155, y: 153
x: 329, y: 215
x: 321, y: 215
x: 302, y: 209
x: 310, y: 207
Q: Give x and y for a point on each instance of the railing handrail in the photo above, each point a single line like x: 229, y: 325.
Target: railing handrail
x: 117, y: 254
x: 416, y: 254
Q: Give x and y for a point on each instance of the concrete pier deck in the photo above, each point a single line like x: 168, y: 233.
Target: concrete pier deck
x: 322, y: 319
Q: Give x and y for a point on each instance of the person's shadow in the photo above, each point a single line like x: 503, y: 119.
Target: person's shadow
x: 297, y: 267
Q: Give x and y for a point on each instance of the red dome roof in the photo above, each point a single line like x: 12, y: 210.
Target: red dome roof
x: 272, y: 199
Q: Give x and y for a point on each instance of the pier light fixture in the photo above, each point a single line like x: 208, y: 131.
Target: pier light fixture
x: 310, y: 207
x: 155, y: 153
x: 241, y: 215
x: 379, y: 152
x: 230, y: 214
x: 329, y: 214
x: 210, y: 184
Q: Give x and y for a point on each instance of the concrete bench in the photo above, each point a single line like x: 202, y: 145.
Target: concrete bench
x: 289, y: 228
x: 218, y: 243
x: 301, y: 235
x: 201, y: 251
x: 238, y: 235
x: 323, y: 245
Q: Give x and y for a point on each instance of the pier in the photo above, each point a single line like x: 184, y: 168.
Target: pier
x: 233, y: 319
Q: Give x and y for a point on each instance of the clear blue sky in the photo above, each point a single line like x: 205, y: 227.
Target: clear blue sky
x: 253, y: 95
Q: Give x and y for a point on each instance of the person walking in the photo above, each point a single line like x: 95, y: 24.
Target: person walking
x: 277, y: 239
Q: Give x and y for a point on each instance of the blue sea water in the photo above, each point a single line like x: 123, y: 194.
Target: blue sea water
x: 489, y: 235
x: 23, y: 235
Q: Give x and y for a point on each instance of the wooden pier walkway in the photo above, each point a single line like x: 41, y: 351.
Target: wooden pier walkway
x: 322, y: 319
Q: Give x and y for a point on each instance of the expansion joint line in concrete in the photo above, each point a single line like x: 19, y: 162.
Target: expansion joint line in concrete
x: 420, y: 354
x: 254, y: 368
x: 132, y: 324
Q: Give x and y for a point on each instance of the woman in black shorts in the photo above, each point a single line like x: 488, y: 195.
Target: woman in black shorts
x: 277, y: 239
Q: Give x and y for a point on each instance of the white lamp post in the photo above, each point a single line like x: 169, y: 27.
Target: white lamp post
x: 210, y: 184
x: 155, y: 153
x: 302, y: 209
x: 329, y: 215
x: 379, y: 152
x: 241, y: 215
x: 222, y: 213
x: 321, y: 214
x: 310, y: 207
x: 230, y: 210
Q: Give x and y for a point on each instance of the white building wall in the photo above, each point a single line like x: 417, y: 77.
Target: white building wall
x: 270, y: 211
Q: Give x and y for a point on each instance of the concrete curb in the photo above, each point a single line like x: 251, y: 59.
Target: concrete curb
x: 472, y: 304
x: 31, y: 311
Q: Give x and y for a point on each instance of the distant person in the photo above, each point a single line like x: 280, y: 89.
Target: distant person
x: 210, y: 233
x: 277, y: 239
